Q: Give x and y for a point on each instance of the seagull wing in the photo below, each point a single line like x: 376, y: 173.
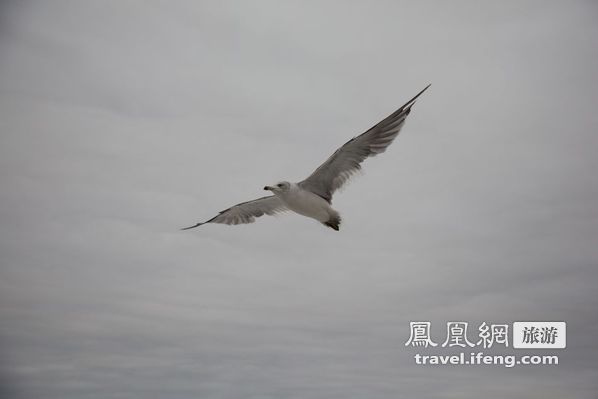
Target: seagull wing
x: 345, y: 162
x: 246, y: 212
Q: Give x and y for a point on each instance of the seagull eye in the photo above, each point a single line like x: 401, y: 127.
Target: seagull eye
x: 279, y: 185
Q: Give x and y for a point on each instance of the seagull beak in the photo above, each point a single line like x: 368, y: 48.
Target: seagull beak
x: 268, y: 188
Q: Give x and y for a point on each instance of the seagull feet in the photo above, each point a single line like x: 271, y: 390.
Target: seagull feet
x: 334, y: 222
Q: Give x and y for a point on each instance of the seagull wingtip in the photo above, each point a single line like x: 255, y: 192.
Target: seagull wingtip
x: 410, y: 103
x: 192, y: 227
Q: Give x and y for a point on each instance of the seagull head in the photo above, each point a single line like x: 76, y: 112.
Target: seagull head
x: 279, y: 188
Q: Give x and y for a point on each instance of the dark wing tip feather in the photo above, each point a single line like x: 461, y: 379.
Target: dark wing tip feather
x: 192, y: 227
x: 202, y: 223
x: 409, y: 103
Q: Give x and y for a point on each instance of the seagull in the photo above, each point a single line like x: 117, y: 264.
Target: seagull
x: 312, y: 197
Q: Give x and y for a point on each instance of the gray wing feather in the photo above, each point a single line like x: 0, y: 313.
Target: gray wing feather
x: 246, y: 212
x: 345, y: 161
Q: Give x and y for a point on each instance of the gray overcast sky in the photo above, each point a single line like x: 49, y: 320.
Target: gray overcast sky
x: 123, y: 121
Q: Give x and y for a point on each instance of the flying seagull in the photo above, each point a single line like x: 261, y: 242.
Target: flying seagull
x: 312, y: 197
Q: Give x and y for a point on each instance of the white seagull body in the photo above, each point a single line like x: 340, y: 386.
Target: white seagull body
x: 312, y: 197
